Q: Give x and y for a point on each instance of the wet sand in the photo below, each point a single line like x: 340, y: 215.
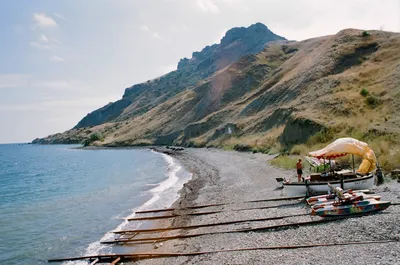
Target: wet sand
x: 233, y: 178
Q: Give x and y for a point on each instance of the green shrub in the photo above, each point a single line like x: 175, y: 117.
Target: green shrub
x: 372, y: 101
x: 299, y: 150
x: 97, y: 136
x: 242, y: 147
x: 364, y: 92
x: 262, y: 150
x: 323, y: 136
x: 365, y: 34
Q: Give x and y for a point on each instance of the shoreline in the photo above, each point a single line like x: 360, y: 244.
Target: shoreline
x: 177, y: 176
x: 234, y: 177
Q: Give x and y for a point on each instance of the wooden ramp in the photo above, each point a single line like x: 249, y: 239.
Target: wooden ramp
x: 219, y: 204
x: 262, y: 228
x: 170, y: 216
x: 152, y: 230
x: 211, y: 212
x: 115, y: 258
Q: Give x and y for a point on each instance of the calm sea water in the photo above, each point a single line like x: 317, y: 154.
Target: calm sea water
x: 56, y: 201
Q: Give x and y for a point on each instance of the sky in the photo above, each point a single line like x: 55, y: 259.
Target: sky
x: 60, y: 60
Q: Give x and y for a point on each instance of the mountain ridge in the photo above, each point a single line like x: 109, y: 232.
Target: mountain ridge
x: 290, y: 96
x: 142, y: 97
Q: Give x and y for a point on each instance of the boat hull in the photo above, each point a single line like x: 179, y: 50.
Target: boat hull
x: 326, y: 198
x: 300, y: 188
x: 366, y: 206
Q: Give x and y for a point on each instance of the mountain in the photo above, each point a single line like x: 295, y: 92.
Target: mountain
x: 291, y: 96
x: 140, y: 98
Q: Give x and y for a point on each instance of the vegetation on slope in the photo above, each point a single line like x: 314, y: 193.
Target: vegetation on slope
x: 292, y: 97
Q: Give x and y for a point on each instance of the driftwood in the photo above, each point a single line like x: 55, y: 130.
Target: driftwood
x: 207, y: 225
x: 164, y: 255
x: 219, y: 204
x: 127, y: 241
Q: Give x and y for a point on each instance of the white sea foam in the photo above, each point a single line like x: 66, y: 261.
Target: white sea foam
x: 166, y: 190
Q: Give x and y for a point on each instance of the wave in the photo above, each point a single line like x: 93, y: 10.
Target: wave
x: 163, y: 195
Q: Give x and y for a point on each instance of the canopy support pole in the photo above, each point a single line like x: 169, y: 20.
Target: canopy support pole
x: 354, y: 170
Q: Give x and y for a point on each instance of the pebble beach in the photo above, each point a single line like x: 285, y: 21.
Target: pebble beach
x: 234, y: 178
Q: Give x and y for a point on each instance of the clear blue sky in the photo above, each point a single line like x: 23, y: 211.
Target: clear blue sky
x: 62, y: 59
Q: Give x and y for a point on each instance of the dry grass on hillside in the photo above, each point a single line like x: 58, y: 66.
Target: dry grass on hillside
x: 319, y: 79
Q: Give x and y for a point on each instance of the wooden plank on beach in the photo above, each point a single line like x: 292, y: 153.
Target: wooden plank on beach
x: 164, y: 255
x: 152, y: 217
x: 115, y: 261
x: 266, y: 207
x: 157, y: 210
x: 219, y: 204
x: 170, y: 216
x: 95, y: 261
x: 278, y: 199
x: 230, y: 231
x: 207, y: 225
x: 204, y: 213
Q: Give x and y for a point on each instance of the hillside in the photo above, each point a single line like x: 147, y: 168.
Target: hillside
x: 290, y: 96
x: 140, y: 98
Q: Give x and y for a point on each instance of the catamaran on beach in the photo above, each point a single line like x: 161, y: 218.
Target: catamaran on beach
x: 361, y: 179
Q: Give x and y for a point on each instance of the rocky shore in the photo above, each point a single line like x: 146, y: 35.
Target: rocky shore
x: 233, y: 177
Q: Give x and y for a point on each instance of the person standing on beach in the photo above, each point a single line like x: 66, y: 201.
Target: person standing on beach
x: 299, y: 168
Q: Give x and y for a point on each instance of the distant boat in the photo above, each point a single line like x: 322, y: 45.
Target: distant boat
x: 318, y: 182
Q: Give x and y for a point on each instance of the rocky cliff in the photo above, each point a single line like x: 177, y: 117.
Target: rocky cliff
x: 141, y: 98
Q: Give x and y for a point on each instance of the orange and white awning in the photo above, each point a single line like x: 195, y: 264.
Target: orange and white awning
x: 345, y: 146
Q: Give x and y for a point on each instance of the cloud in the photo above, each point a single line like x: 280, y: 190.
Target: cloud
x: 153, y: 34
x: 208, y: 6
x: 43, y: 38
x: 40, y: 46
x: 44, y: 43
x: 13, y: 80
x: 58, y: 15
x: 56, y: 58
x: 144, y: 28
x: 44, y: 21
x: 156, y: 35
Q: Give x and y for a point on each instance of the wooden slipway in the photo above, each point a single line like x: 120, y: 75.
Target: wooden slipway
x: 205, y: 213
x: 164, y: 238
x: 219, y: 204
x: 115, y: 258
x: 207, y: 225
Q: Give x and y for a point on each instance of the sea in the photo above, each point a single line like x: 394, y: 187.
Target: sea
x: 60, y: 201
